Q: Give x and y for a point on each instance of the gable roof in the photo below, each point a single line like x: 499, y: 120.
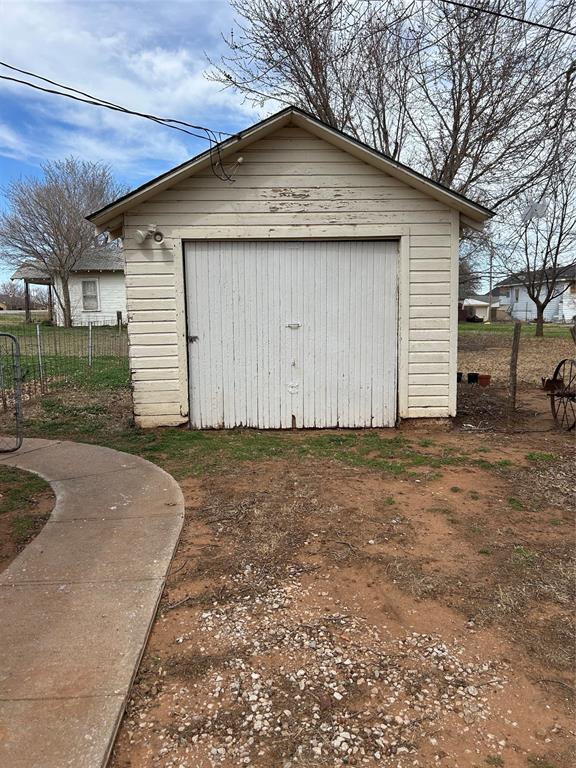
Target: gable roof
x: 104, y: 260
x: 563, y: 273
x: 107, y: 218
x: 30, y: 270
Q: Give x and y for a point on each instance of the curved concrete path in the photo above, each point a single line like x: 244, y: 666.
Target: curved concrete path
x: 76, y: 606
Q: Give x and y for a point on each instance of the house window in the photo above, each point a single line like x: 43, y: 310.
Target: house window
x: 90, y: 299
x: 516, y: 294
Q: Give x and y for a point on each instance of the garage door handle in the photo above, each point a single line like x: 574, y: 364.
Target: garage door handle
x: 192, y: 338
x: 293, y: 325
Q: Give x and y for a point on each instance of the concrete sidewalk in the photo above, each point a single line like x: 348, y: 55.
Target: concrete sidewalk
x: 76, y: 606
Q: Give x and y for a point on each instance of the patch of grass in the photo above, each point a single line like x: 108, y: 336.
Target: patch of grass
x: 556, y: 521
x: 389, y: 501
x: 477, y: 529
x: 515, y: 503
x: 523, y: 556
x: 540, y: 762
x: 494, y: 760
x: 22, y: 527
x: 456, y: 489
x: 551, y: 330
x: 485, y: 551
x: 483, y: 449
x: 103, y: 416
x: 474, y: 495
x: 18, y: 488
x: 539, y: 456
x: 441, y: 510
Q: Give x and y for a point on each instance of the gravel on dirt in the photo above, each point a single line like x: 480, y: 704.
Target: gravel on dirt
x: 324, y: 686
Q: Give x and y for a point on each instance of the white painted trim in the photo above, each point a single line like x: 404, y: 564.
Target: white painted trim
x: 301, y: 232
x: 181, y: 330
x: 403, y: 306
x: 403, y: 324
x: 90, y: 279
x: 454, y: 274
x: 428, y: 413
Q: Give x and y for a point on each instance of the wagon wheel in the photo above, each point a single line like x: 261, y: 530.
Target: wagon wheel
x: 563, y: 395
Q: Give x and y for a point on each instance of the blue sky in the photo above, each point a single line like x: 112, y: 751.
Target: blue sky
x: 148, y: 55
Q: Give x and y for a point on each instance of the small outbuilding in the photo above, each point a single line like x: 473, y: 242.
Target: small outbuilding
x: 291, y: 277
x: 97, y: 288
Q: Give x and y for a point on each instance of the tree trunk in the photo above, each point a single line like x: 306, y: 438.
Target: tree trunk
x: 66, y: 306
x: 539, y: 320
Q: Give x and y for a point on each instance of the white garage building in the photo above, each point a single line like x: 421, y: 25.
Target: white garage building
x: 293, y: 277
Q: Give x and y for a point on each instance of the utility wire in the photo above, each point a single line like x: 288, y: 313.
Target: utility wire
x: 96, y: 101
x: 510, y: 18
x: 208, y: 134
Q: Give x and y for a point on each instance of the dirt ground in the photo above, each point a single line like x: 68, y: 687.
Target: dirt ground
x: 319, y: 613
x: 490, y: 353
x: 26, y: 502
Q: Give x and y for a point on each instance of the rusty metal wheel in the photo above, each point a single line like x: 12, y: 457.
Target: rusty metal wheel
x: 563, y: 395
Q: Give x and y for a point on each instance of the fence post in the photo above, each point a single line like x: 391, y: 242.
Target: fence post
x: 2, y: 388
x: 90, y: 344
x: 40, y: 360
x: 513, y: 371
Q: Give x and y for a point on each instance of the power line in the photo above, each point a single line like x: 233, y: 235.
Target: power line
x: 519, y: 19
x: 209, y: 133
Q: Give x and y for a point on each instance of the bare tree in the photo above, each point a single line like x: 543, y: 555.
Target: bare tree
x: 12, y: 294
x: 467, y: 97
x: 333, y: 58
x: 45, y: 222
x: 542, y: 251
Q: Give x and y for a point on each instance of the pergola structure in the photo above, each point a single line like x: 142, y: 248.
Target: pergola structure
x: 34, y: 274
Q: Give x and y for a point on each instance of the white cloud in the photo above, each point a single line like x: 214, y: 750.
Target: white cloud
x: 11, y: 144
x: 148, y: 56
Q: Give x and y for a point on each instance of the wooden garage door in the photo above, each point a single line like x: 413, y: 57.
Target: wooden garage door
x: 292, y: 334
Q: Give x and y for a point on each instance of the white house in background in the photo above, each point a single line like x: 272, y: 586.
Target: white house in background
x: 293, y: 277
x: 513, y: 297
x: 97, y: 289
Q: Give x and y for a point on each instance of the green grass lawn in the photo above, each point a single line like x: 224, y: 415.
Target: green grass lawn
x: 96, y: 409
x: 551, y: 330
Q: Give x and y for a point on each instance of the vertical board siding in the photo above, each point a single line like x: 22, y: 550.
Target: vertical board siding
x: 248, y: 367
x: 295, y: 186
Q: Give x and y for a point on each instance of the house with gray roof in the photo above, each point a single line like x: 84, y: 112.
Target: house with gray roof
x: 512, y: 295
x: 97, y: 287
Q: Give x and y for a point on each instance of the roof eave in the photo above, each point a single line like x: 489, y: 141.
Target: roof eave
x: 475, y: 211
x: 108, y: 217
x: 204, y: 160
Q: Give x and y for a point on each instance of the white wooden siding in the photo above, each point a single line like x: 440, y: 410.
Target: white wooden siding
x: 295, y: 186
x: 112, y: 298
x: 248, y: 367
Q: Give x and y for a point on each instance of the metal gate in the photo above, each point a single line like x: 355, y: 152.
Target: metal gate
x: 10, y: 393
